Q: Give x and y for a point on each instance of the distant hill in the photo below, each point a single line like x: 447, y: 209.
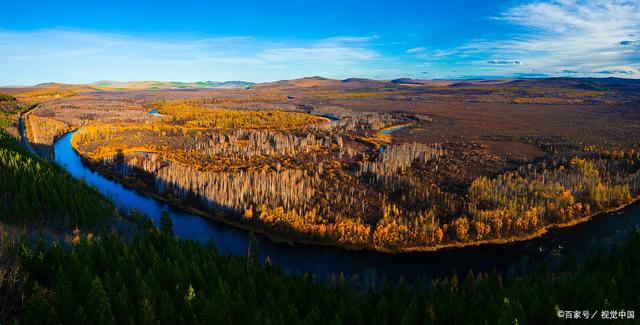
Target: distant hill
x: 579, y: 83
x: 52, y: 90
x: 49, y: 90
x: 151, y: 85
x: 627, y: 88
x: 306, y: 82
x: 407, y: 81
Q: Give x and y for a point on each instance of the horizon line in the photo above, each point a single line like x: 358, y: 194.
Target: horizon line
x: 320, y: 77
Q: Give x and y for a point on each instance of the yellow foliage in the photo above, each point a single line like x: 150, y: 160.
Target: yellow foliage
x: 192, y: 115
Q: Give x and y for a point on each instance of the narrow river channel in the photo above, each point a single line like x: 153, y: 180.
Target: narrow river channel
x: 323, y: 261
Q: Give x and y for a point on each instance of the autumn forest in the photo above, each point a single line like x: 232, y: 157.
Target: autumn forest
x: 288, y: 162
x: 393, y: 167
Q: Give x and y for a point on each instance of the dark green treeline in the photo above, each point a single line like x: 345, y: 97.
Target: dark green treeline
x: 156, y: 278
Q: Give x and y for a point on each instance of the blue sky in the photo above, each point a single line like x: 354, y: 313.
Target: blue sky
x: 86, y: 41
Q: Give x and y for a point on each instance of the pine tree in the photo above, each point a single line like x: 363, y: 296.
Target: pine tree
x: 166, y: 225
x: 98, y: 305
x: 147, y: 313
x: 79, y: 317
x: 38, y: 309
x: 253, y: 251
x: 66, y: 298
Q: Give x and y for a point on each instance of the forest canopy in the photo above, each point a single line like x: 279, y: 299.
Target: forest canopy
x: 34, y: 191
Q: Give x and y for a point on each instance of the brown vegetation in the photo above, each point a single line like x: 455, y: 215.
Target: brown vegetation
x: 480, y: 169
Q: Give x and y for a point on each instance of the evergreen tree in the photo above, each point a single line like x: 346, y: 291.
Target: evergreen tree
x: 38, y: 308
x: 253, y: 251
x: 98, y: 305
x: 79, y: 317
x: 166, y: 224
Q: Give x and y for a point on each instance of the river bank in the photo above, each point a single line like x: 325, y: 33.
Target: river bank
x: 325, y: 260
x: 22, y: 129
x: 228, y: 219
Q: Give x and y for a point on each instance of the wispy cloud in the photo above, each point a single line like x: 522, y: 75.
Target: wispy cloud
x: 630, y: 43
x: 623, y: 72
x: 350, y: 39
x: 541, y: 38
x: 82, y: 56
x: 313, y: 53
x: 573, y: 35
x: 505, y: 62
x: 416, y: 50
x: 556, y: 37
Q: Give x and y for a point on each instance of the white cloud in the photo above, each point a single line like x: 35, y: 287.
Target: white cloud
x: 505, y: 62
x: 317, y: 54
x: 549, y: 37
x: 83, y: 56
x: 416, y: 50
x: 583, y: 37
x: 350, y: 39
x: 629, y: 43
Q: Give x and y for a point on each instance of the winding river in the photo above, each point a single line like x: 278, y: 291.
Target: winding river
x: 395, y: 128
x: 323, y: 261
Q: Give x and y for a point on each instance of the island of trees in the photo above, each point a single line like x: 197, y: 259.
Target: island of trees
x: 347, y: 183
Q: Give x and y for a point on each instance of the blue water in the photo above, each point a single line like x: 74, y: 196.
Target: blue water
x: 391, y: 130
x: 322, y: 261
x: 394, y: 129
x: 328, y: 115
x: 155, y: 113
x: 186, y: 225
x: 23, y: 135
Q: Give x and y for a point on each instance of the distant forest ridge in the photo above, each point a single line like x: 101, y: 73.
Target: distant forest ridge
x: 152, y: 84
x: 567, y: 91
